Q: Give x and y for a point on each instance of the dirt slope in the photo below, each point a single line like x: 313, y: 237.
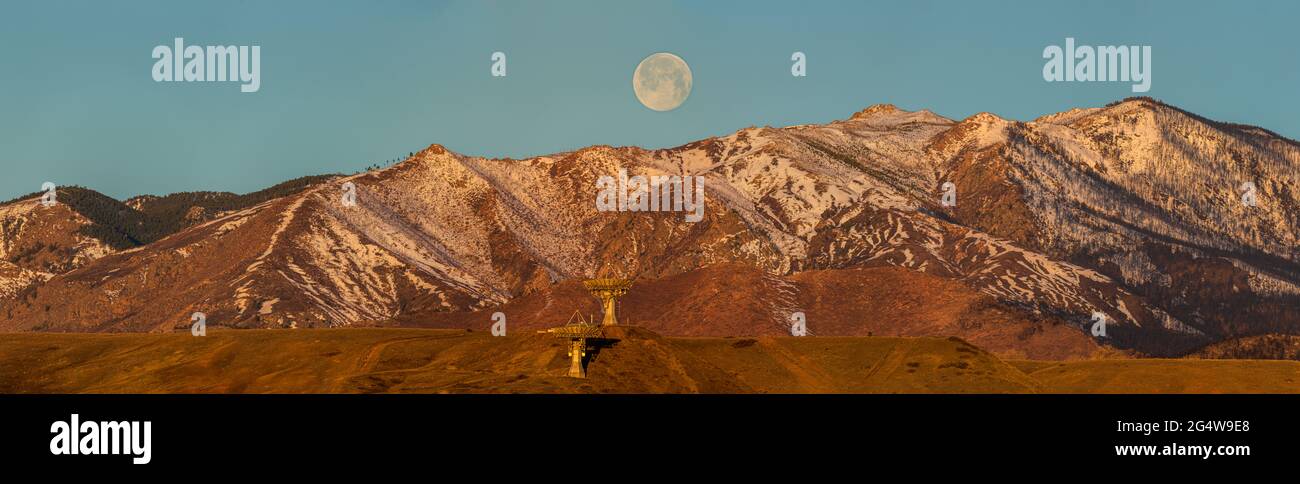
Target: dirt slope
x: 738, y: 300
x: 640, y: 361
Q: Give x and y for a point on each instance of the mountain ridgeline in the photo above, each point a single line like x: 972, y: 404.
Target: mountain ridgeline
x: 1135, y: 213
x: 146, y: 218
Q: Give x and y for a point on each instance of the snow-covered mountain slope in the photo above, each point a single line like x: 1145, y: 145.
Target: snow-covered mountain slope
x: 1128, y: 210
x: 38, y: 242
x: 1151, y: 196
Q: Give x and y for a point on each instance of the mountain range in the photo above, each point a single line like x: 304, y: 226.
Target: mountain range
x: 1133, y: 210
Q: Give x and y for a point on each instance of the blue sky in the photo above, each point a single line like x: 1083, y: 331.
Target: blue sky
x: 347, y: 83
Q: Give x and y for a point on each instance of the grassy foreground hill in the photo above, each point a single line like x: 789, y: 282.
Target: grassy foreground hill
x: 640, y: 361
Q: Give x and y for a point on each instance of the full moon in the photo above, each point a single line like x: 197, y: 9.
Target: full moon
x: 662, y: 81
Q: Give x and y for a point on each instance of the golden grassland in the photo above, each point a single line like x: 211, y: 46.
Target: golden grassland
x: 456, y: 361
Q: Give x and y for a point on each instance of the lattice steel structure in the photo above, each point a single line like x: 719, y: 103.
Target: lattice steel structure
x: 608, y: 291
x: 578, y: 333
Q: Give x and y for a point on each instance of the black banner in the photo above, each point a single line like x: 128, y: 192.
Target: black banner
x: 411, y: 431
